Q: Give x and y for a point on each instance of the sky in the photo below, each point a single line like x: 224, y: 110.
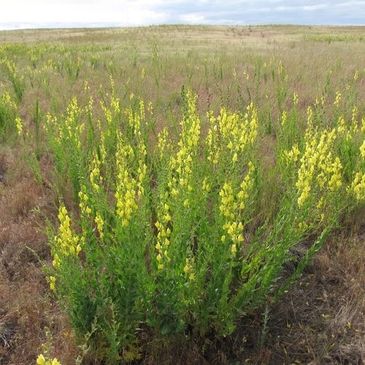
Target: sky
x: 16, y: 14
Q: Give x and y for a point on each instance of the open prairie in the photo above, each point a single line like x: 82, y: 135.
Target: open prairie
x: 182, y: 195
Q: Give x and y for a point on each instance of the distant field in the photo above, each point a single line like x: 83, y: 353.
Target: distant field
x: 182, y: 194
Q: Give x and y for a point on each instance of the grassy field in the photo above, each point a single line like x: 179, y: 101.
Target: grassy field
x: 179, y: 194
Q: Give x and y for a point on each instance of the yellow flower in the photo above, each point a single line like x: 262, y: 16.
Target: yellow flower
x: 95, y: 177
x: 231, y: 206
x: 319, y: 169
x: 231, y: 131
x: 337, y: 99
x: 358, y: 186
x: 188, y: 269
x: 341, y: 124
x: 295, y: 98
x: 284, y: 118
x: 206, y: 186
x: 291, y: 155
x: 126, y: 189
x: 41, y: 360
x: 163, y: 143
x: 67, y: 242
x: 99, y: 221
x: 19, y: 125
x: 163, y: 234
x: 362, y: 150
x: 52, y: 283
x: 84, y: 199
x: 310, y: 117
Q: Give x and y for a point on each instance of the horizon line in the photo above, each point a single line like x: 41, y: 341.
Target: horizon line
x: 103, y: 25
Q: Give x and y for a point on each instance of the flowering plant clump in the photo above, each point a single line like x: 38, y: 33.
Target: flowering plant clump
x: 171, y: 236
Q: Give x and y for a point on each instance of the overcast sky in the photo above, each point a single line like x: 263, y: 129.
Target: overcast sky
x: 63, y: 13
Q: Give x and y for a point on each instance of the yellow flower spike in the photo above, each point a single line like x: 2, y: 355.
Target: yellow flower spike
x: 188, y: 269
x: 354, y: 120
x: 310, y: 117
x: 341, y: 125
x: 52, y: 283
x: 231, y: 131
x: 41, y: 360
x: 127, y: 185
x: 284, y: 118
x: 85, y: 210
x: 319, y: 169
x: 338, y: 98
x: 357, y: 187
x: 66, y: 242
x: 363, y: 124
x: 19, y: 125
x: 56, y: 261
x: 292, y: 155
x: 99, y: 221
x: 206, y: 186
x: 234, y: 249
x: 362, y: 150
x: 163, y: 143
x: 95, y: 177
x: 295, y: 98
x: 231, y: 206
x: 163, y: 234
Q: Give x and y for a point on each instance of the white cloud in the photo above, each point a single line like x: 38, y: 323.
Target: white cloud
x: 80, y: 11
x: 17, y: 13
x: 192, y: 18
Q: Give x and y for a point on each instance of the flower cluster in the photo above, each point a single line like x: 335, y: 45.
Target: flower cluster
x: 99, y: 221
x: 232, y: 206
x: 189, y: 268
x: 284, y: 118
x: 72, y: 128
x: 357, y: 187
x: 67, y: 243
x: 84, y: 205
x: 338, y: 98
x: 19, y: 125
x: 95, y: 177
x: 181, y: 165
x: 126, y: 185
x: 292, y: 155
x: 41, y: 360
x: 163, y: 232
x: 233, y: 131
x: 319, y: 168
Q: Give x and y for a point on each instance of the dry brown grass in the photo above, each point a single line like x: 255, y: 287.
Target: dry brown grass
x: 27, y: 309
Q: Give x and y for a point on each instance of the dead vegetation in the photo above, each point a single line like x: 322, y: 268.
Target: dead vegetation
x: 26, y: 309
